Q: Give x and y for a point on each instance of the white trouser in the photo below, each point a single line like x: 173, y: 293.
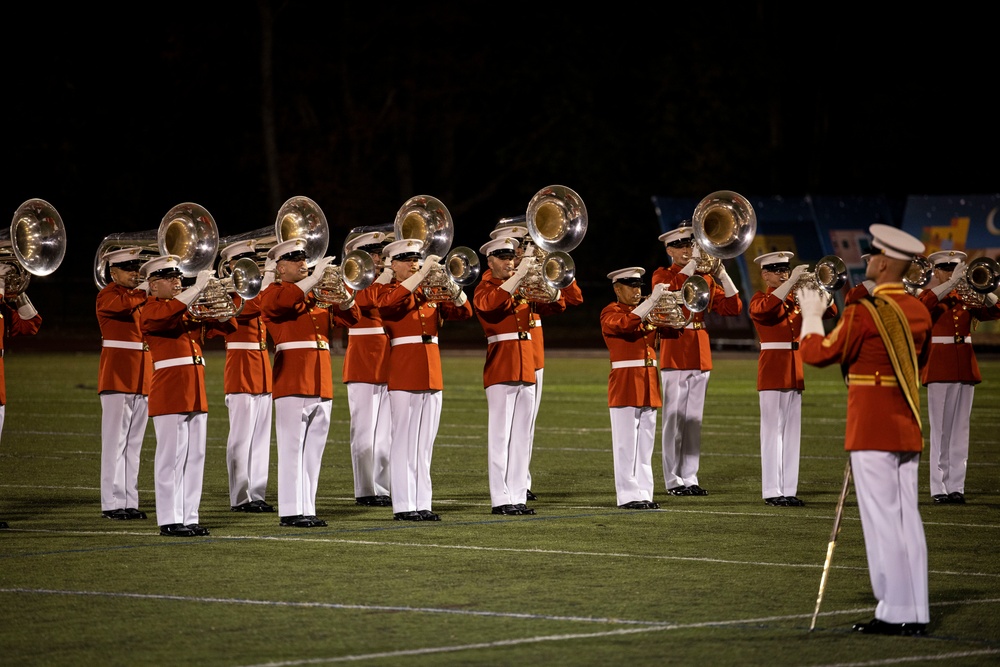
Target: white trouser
x: 248, y: 450
x: 371, y: 427
x: 683, y: 405
x: 949, y: 407
x: 780, y: 439
x: 633, y: 432
x: 511, y: 406
x: 415, y: 419
x: 886, y: 487
x: 301, y: 424
x: 123, y: 426
x: 179, y: 466
x: 539, y: 373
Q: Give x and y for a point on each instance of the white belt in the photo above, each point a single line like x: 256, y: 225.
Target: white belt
x: 125, y: 344
x: 779, y: 346
x: 179, y: 361
x: 633, y: 363
x: 302, y: 345
x: 407, y: 340
x: 517, y: 335
x: 367, y: 331
x: 247, y: 346
x: 948, y: 340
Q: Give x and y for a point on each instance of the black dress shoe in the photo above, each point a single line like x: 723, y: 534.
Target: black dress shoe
x: 314, y: 521
x: 407, y: 516
x: 120, y: 515
x: 777, y: 501
x: 941, y: 499
x: 650, y: 505
x: 697, y: 490
x: 795, y: 502
x: 877, y: 627
x: 366, y: 501
x: 133, y: 513
x: 524, y: 509
x: 506, y: 510
x: 956, y: 498
x: 176, y: 530
x: 383, y: 501
x: 428, y: 515
x: 531, y: 496
x: 298, y: 521
x: 197, y: 530
x: 680, y: 491
x: 3, y: 525
x: 634, y: 505
x: 259, y: 507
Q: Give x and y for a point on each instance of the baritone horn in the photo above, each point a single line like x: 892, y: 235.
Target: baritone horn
x: 244, y: 279
x: 357, y: 271
x: 427, y: 218
x: 669, y: 311
x: 34, y: 245
x: 828, y: 276
x: 982, y: 277
x: 724, y: 225
x: 557, y: 222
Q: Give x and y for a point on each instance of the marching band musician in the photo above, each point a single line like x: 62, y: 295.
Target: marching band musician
x: 303, y: 377
x: 123, y: 379
x: 633, y: 386
x: 18, y: 317
x: 178, y: 403
x: 686, y: 363
x: 247, y: 386
x: 881, y: 342
x: 366, y: 374
x: 415, y: 379
x: 508, y: 374
x: 951, y: 374
x: 780, y: 378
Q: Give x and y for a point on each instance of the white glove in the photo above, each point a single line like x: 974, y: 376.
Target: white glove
x: 413, y: 282
x: 991, y: 300
x: 812, y: 304
x: 784, y: 288
x: 941, y: 291
x: 310, y: 281
x: 690, y: 268
x: 268, y: 274
x: 643, y: 309
x: 460, y: 299
x: 24, y: 307
x: 727, y: 283
x: 527, y: 264
x: 191, y: 294
x: 4, y: 270
x: 385, y: 277
x: 428, y: 264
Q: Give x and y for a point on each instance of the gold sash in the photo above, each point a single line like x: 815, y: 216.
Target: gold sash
x: 894, y: 329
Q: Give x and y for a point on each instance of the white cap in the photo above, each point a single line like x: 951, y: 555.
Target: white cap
x: 631, y: 273
x: 403, y: 249
x: 280, y: 250
x: 946, y: 257
x: 504, y: 243
x: 122, y: 255
x: 679, y: 234
x: 895, y: 243
x: 366, y: 239
x: 239, y: 248
x: 163, y: 265
x: 779, y: 257
x: 511, y: 231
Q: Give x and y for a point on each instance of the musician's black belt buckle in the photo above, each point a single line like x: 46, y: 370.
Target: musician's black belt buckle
x: 145, y: 346
x: 198, y: 361
x: 426, y: 339
x: 959, y: 338
x: 522, y: 335
x: 650, y: 362
x: 795, y: 344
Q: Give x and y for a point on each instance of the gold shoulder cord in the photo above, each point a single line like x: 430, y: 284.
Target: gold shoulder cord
x: 894, y: 329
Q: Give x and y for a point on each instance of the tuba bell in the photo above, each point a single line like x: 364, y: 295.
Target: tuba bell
x: 557, y: 222
x: 669, y: 311
x: 828, y: 276
x: 34, y: 245
x: 427, y: 219
x: 724, y: 225
x: 982, y: 277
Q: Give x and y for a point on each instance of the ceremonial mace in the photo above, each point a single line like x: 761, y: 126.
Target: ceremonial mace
x: 833, y: 541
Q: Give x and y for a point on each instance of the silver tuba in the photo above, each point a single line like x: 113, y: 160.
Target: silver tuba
x: 828, y: 276
x: 426, y: 218
x: 693, y: 296
x: 982, y: 276
x: 34, y: 245
x: 724, y: 225
x: 918, y: 274
x: 557, y: 222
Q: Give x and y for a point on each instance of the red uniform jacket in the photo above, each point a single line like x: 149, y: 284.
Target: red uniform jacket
x: 779, y: 323
x: 953, y: 361
x: 11, y: 324
x: 248, y: 371
x: 405, y: 314
x: 123, y: 369
x: 367, y: 355
x: 292, y: 316
x: 629, y: 340
x: 502, y: 314
x: 172, y: 334
x: 878, y: 415
x: 692, y: 350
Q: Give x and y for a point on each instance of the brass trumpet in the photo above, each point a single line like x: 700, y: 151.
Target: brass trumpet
x: 693, y: 295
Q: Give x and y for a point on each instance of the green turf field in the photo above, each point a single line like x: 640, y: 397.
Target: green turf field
x: 716, y: 580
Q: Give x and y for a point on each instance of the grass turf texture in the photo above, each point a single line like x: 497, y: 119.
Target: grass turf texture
x: 716, y: 580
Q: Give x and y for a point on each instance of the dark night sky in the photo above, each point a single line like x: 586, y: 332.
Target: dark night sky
x: 115, y: 113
